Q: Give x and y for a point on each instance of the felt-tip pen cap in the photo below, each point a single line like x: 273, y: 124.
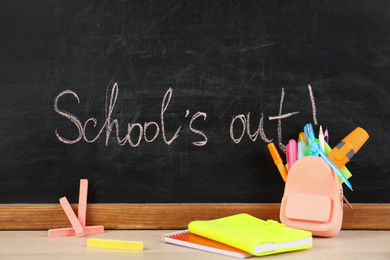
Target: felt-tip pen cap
x: 301, y: 137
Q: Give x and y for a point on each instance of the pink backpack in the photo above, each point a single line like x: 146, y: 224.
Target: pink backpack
x: 313, y: 198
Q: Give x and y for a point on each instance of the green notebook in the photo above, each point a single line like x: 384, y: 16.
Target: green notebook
x: 253, y: 235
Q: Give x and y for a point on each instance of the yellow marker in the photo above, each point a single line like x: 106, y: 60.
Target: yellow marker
x: 115, y: 244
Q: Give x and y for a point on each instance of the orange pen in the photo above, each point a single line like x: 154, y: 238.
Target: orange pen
x: 277, y: 160
x: 348, y: 147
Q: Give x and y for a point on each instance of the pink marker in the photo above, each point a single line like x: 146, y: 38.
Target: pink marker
x: 292, y: 153
x: 287, y: 156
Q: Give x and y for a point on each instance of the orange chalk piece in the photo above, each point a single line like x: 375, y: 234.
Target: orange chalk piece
x: 277, y: 160
x: 79, y: 230
x: 348, y: 147
x: 82, y: 211
x: 115, y: 244
x: 63, y: 232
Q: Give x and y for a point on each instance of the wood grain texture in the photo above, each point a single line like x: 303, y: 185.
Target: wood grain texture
x: 169, y: 216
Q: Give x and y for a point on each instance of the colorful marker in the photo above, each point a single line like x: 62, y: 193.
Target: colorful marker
x: 344, y: 169
x: 348, y: 147
x: 292, y: 150
x: 301, y: 149
x: 301, y: 137
x: 306, y: 136
x: 277, y: 160
x: 308, y: 140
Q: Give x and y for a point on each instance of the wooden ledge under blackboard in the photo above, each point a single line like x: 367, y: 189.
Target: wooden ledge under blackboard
x: 372, y: 216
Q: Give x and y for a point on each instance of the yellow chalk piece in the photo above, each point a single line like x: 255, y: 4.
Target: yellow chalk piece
x: 115, y: 244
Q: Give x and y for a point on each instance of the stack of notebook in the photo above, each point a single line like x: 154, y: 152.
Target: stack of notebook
x: 241, y: 236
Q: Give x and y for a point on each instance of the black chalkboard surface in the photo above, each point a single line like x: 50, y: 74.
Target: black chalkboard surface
x: 175, y: 101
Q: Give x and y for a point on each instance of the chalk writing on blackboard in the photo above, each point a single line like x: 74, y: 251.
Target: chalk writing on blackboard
x: 159, y: 128
x: 110, y: 123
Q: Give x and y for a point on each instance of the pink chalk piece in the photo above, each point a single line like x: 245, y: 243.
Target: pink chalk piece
x: 79, y: 227
x: 79, y: 230
x: 63, y: 232
x: 82, y: 212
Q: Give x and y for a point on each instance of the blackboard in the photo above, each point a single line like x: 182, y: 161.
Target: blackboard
x: 175, y: 101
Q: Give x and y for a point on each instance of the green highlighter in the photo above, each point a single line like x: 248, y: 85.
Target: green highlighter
x: 344, y: 169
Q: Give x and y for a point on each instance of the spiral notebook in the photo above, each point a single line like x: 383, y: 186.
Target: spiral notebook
x: 187, y: 239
